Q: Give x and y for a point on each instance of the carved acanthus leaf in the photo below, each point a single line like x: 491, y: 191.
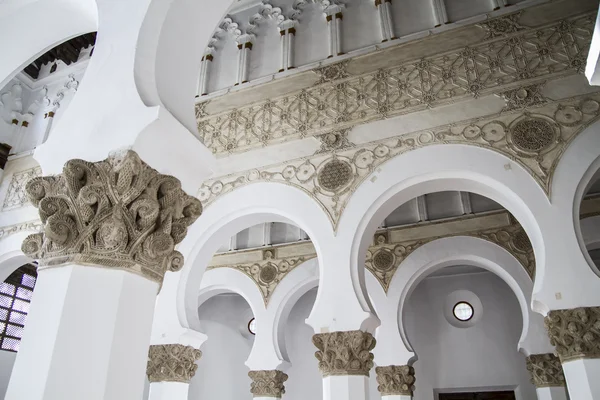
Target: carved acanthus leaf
x: 116, y: 213
x: 575, y: 333
x: 344, y: 353
x: 172, y: 363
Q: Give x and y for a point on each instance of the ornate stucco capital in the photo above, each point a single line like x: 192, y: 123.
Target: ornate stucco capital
x: 546, y: 370
x: 575, y: 333
x: 267, y: 383
x: 116, y: 213
x: 396, y: 380
x: 344, y: 353
x: 172, y: 363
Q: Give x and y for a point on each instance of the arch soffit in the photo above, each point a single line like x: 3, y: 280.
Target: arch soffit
x: 226, y: 218
x: 461, y: 250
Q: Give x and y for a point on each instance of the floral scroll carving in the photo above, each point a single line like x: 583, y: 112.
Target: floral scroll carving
x: 344, y: 353
x: 117, y: 213
x: 575, y: 333
x: 396, y: 380
x: 546, y: 370
x: 267, y: 383
x: 172, y: 363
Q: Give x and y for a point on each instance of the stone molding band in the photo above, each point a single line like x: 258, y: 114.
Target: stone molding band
x: 575, y: 333
x: 267, y: 383
x: 545, y: 370
x: 344, y: 353
x: 172, y: 363
x: 116, y: 213
x: 396, y: 380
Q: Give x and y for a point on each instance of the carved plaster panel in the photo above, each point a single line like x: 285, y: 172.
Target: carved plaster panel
x: 334, y: 141
x: 535, y: 138
x: 29, y: 226
x: 546, y: 370
x: 575, y: 333
x: 16, y: 197
x: 268, y: 272
x: 344, y: 353
x: 117, y: 213
x: 509, y: 57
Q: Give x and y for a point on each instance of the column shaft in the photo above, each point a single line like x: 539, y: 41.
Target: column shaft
x: 382, y: 20
x: 284, y: 50
x: 396, y: 397
x: 291, y: 37
x: 169, y: 391
x: 439, y: 9
x: 330, y: 29
x: 388, y: 16
x: 240, y: 64
x: 346, y: 387
x: 551, y: 393
x: 201, y: 77
x: 338, y: 33
x: 582, y: 379
x: 204, y: 83
x: 87, y: 336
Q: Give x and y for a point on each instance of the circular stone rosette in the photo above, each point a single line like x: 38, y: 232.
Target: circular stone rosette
x: 533, y: 135
x: 335, y: 175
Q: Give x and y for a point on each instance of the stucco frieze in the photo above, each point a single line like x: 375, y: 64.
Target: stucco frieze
x: 535, y: 138
x: 29, y: 226
x: 575, y: 333
x: 172, y: 363
x: 396, y: 380
x: 116, y: 213
x: 509, y: 55
x: 546, y: 370
x: 344, y: 353
x: 269, y: 383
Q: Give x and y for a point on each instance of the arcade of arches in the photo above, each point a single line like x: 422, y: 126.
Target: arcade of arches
x: 292, y: 199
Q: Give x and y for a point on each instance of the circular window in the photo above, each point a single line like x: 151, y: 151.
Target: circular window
x: 463, y: 311
x: 252, y: 326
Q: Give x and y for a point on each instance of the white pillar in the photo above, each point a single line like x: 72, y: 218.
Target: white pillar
x: 497, y: 4
x: 284, y: 50
x: 291, y: 37
x: 346, y: 387
x: 201, y: 77
x: 388, y: 16
x: 246, y: 61
x: 440, y: 14
x: 583, y: 379
x: 331, y: 32
x: 338, y: 33
x: 87, y: 336
x: 551, y: 393
x: 169, y: 391
x: 240, y: 64
x: 208, y: 59
x: 89, y: 325
x: 382, y: 20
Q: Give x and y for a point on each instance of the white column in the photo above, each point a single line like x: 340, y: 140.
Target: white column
x: 201, y: 77
x: 284, y: 50
x: 551, y: 393
x: 240, y: 64
x: 87, y: 336
x: 382, y: 20
x: 291, y: 37
x: 246, y: 61
x: 169, y: 391
x: 388, y: 16
x: 267, y: 234
x: 338, y: 33
x: 396, y: 397
x: 208, y: 59
x: 497, y: 4
x: 331, y: 31
x: 465, y: 201
x: 439, y: 10
x: 346, y: 387
x: 422, y: 208
x: 583, y: 379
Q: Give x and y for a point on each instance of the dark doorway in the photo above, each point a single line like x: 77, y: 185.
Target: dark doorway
x: 478, y: 396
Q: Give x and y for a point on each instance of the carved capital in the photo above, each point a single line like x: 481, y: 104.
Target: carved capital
x: 116, y: 213
x: 575, y: 333
x: 172, y: 363
x: 344, y: 353
x: 267, y: 383
x: 396, y: 380
x: 546, y: 370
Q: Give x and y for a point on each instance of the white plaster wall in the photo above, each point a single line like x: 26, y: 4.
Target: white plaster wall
x: 360, y: 26
x: 221, y: 372
x: 311, y: 36
x: 482, y: 356
x: 7, y: 360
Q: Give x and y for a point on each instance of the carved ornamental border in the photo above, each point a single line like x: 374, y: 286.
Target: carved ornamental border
x: 509, y: 55
x: 535, y: 138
